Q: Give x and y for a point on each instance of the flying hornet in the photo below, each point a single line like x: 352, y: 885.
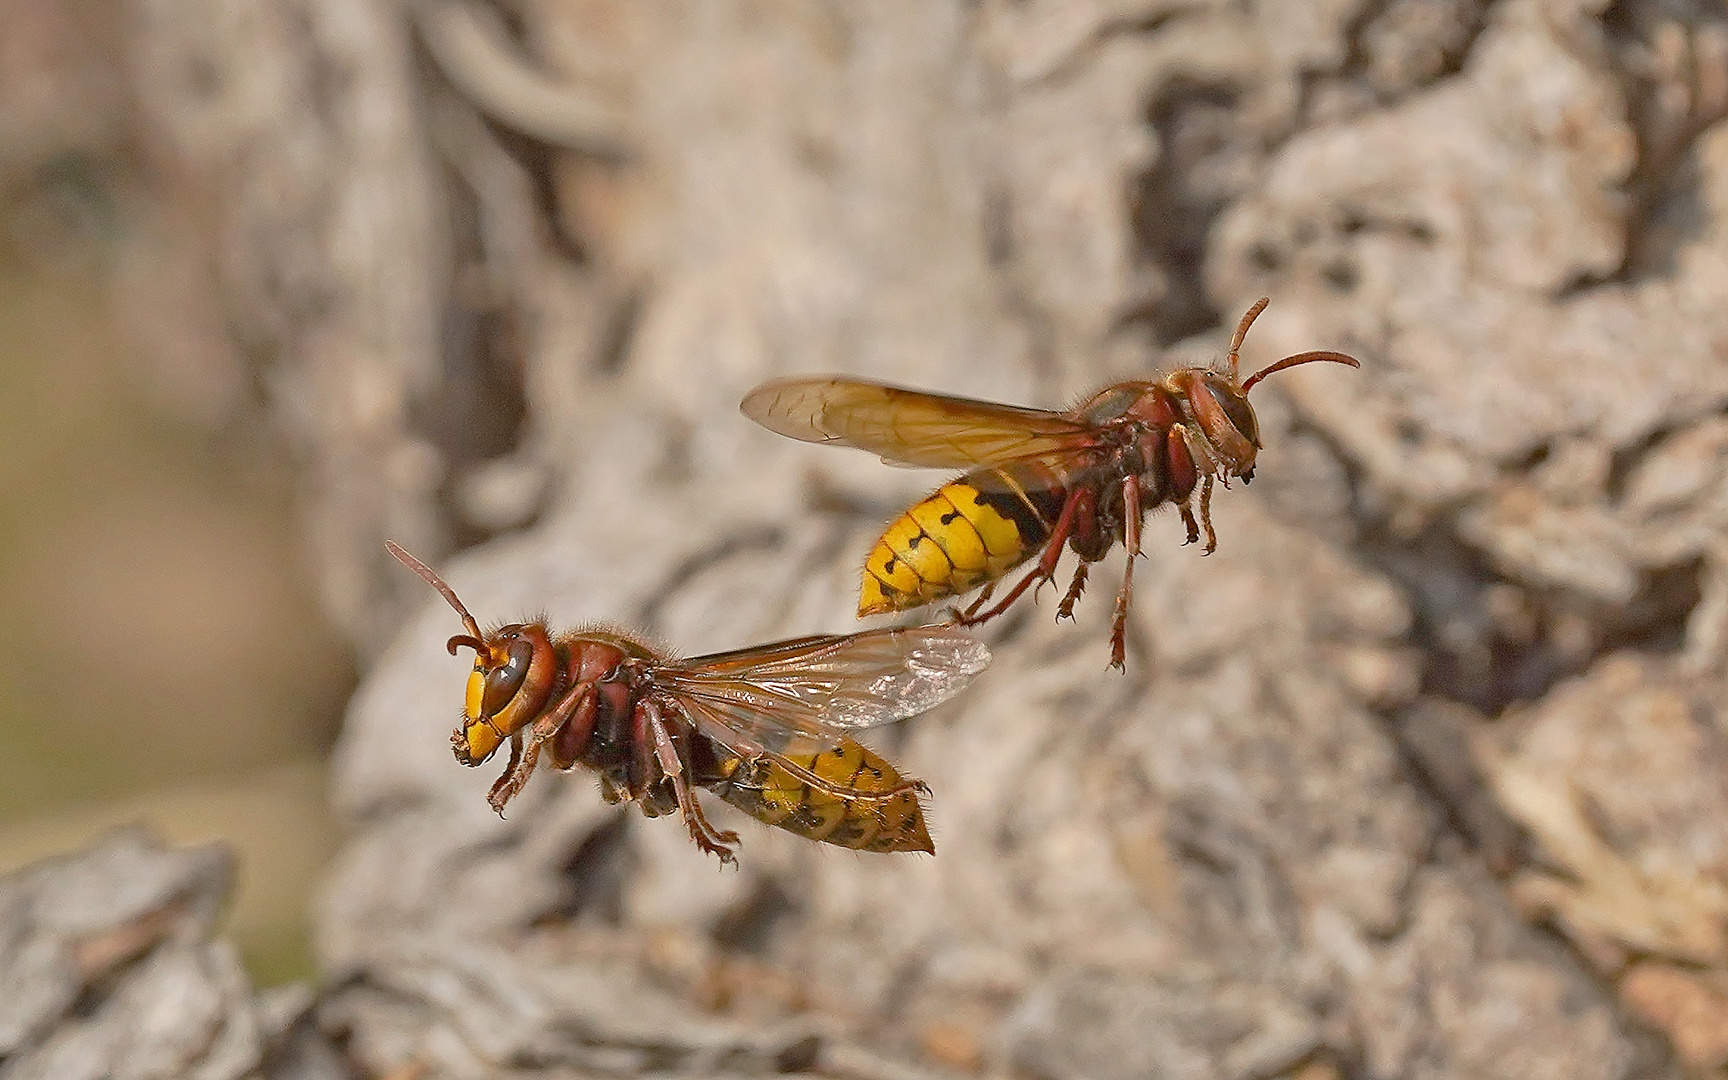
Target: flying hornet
x: 768, y: 728
x: 1036, y: 480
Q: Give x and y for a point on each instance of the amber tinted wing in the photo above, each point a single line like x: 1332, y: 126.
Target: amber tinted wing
x: 910, y: 427
x: 804, y: 695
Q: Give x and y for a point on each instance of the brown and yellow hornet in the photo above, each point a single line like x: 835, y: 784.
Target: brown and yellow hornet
x: 766, y: 728
x: 1037, y: 479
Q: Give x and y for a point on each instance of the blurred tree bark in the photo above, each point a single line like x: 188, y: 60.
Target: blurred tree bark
x: 1369, y: 801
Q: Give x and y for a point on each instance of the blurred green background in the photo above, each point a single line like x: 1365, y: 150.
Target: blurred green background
x: 162, y: 658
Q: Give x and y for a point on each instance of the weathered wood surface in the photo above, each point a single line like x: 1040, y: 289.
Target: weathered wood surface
x: 110, y: 970
x: 1420, y: 776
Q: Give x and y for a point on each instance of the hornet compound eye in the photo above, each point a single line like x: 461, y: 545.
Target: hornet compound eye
x: 503, y: 682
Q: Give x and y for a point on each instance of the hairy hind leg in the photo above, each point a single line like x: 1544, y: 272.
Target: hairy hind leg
x: 1075, y: 588
x: 1038, y: 574
x: 511, y: 783
x: 509, y: 770
x: 1131, y: 514
x: 959, y: 616
x: 1206, y: 515
x: 1046, y: 568
x: 707, y: 837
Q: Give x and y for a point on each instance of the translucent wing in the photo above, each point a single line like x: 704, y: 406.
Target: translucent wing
x: 909, y: 427
x: 806, y: 694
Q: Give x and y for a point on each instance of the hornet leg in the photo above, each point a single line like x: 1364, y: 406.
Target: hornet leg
x: 1131, y: 514
x: 955, y: 615
x: 707, y: 837
x: 515, y: 760
x: 1206, y: 515
x: 511, y: 783
x: 1192, y: 525
x: 1075, y: 588
x: 1044, y: 571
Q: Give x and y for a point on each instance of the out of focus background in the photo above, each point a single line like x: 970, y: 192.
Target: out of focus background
x: 1423, y: 774
x: 164, y: 656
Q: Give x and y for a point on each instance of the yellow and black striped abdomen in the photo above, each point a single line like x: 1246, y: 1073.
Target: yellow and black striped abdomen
x: 847, y: 796
x: 971, y: 531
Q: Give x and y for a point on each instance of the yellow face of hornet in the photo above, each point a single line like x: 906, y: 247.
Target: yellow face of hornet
x: 514, y: 670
